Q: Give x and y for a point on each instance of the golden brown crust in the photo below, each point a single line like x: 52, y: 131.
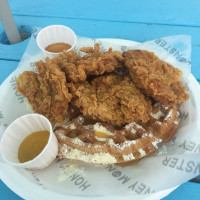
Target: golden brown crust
x: 113, y: 99
x: 95, y: 62
x: 46, y: 91
x: 156, y: 77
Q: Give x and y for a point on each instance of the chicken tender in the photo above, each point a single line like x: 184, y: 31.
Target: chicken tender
x: 46, y: 91
x: 111, y: 98
x: 95, y: 62
x: 155, y: 77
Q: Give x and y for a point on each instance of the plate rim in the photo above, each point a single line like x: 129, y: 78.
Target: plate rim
x: 24, y: 194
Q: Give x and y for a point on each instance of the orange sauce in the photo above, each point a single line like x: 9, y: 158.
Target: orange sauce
x: 58, y: 47
x: 32, y: 145
x: 100, y: 134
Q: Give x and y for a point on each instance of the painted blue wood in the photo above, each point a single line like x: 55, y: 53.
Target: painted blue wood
x: 187, y: 191
x: 104, y: 29
x: 175, y: 12
x: 13, y: 52
x: 6, y: 67
x: 7, y: 194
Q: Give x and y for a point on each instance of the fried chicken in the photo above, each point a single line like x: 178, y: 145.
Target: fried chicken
x: 46, y: 91
x: 95, y: 62
x: 111, y: 98
x: 155, y: 77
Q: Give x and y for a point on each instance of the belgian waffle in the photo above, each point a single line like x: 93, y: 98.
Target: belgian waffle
x: 100, y: 143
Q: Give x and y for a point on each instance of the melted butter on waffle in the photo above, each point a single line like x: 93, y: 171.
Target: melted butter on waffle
x: 101, y: 133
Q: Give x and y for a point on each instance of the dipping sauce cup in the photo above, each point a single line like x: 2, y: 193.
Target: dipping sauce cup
x: 15, y: 134
x: 55, y: 34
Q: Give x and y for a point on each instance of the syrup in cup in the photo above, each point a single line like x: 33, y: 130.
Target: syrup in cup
x: 58, y: 35
x: 18, y: 131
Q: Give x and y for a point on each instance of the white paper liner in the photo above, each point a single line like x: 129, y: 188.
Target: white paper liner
x: 173, y: 164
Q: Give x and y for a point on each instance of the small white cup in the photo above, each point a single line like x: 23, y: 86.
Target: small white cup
x: 18, y: 131
x: 55, y: 34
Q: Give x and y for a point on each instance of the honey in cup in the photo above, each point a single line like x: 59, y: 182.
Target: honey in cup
x: 33, y: 145
x: 58, y: 47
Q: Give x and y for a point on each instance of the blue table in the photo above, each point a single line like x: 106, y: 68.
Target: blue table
x: 133, y: 20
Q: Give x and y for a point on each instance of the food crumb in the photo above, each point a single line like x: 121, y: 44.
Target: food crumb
x: 68, y: 169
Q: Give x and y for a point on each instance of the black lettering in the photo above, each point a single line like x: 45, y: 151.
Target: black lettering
x: 183, y: 115
x: 123, y: 48
x: 167, y: 48
x: 33, y: 67
x: 177, y: 54
x: 133, y: 186
x: 17, y: 94
x: 147, y: 191
x: 110, y: 168
x: 124, y: 179
x: 181, y: 166
x: 13, y: 79
x: 116, y: 173
x: 173, y: 162
x: 172, y: 51
x: 158, y: 41
x: 85, y: 186
x: 197, y: 169
x: 197, y: 149
x: 21, y: 99
x: 79, y: 181
x: 140, y: 188
x: 32, y: 64
x: 163, y: 43
x: 183, y: 145
x: 74, y: 176
x: 191, y: 146
x: 173, y: 140
x: 166, y: 161
x: 182, y: 60
x: 190, y: 166
x: 34, y: 35
x: 35, y: 30
x: 187, y: 88
x: 14, y: 85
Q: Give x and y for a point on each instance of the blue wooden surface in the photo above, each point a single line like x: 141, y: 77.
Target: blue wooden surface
x: 133, y: 20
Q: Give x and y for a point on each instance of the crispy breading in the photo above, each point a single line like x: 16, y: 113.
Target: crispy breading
x: 157, y: 78
x: 111, y: 98
x: 46, y: 90
x: 66, y: 59
x: 95, y: 62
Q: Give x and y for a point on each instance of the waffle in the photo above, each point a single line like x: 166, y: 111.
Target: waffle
x: 164, y: 121
x: 100, y: 143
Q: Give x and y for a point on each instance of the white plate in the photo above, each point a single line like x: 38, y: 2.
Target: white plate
x: 23, y: 184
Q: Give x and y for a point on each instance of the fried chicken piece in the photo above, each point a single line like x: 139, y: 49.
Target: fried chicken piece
x: 157, y: 78
x: 111, y: 98
x: 46, y: 91
x: 95, y: 62
x: 66, y: 59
